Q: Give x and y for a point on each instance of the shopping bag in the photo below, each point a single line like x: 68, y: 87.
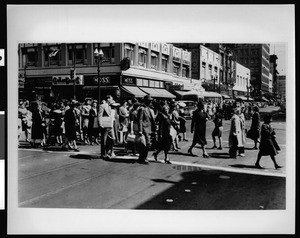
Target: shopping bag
x: 130, y: 138
x: 140, y: 140
x: 107, y: 122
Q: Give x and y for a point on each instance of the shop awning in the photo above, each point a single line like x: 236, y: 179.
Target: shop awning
x: 245, y: 98
x: 225, y: 96
x: 101, y: 87
x: 158, y: 92
x: 180, y: 93
x: 211, y: 94
x: 134, y: 91
x: 164, y: 93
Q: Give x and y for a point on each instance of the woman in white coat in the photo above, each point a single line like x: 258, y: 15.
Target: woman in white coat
x: 235, y: 135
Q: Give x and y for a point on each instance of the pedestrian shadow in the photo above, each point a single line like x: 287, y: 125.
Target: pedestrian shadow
x: 84, y: 156
x: 219, y: 155
x: 242, y: 166
x: 181, y: 153
x: 163, y: 181
x: 121, y: 160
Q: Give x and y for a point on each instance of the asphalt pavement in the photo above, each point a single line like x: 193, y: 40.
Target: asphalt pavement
x: 57, y: 179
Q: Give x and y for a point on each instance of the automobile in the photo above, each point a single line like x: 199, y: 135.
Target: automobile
x: 188, y: 107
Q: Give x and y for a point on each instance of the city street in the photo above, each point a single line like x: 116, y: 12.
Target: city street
x: 56, y: 179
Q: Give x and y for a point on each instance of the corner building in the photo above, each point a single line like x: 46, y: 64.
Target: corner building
x: 127, y: 70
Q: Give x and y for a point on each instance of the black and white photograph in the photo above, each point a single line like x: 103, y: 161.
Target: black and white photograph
x: 119, y: 123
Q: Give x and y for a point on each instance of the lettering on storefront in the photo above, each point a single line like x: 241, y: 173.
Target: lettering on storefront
x: 66, y: 80
x: 105, y: 80
x: 129, y: 80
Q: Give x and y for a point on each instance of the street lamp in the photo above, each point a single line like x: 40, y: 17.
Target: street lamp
x: 99, y: 55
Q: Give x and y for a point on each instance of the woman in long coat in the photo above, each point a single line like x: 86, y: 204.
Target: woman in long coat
x: 37, y: 124
x: 268, y: 144
x: 164, y: 138
x: 71, y: 122
x: 254, y: 131
x: 56, y: 117
x: 93, y: 128
x: 235, y: 135
x: 198, y: 126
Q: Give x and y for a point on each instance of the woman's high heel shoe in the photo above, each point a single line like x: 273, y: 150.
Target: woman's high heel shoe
x: 205, y: 156
x: 155, y: 155
x: 190, y: 151
x: 167, y: 161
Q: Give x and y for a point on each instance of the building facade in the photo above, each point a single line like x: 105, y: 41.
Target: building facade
x: 241, y: 76
x: 126, y: 70
x: 281, y: 87
x: 256, y: 57
x: 273, y: 70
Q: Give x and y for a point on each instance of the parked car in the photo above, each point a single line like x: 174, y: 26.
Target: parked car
x: 188, y: 107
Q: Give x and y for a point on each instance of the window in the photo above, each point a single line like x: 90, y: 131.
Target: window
x: 30, y: 55
x: 52, y: 55
x: 146, y: 82
x: 80, y: 53
x: 203, y: 64
x: 185, y: 71
x: 164, y: 63
x: 129, y: 52
x: 151, y: 83
x: 154, y: 60
x: 139, y: 82
x: 156, y: 84
x: 108, y: 54
x: 142, y: 57
x: 161, y: 84
x: 176, y: 68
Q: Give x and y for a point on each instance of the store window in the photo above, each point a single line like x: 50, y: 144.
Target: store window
x: 139, y: 82
x: 145, y: 82
x: 154, y: 61
x: 157, y: 84
x: 129, y: 52
x: 142, y: 58
x: 151, y: 83
x: 161, y: 84
x: 164, y: 63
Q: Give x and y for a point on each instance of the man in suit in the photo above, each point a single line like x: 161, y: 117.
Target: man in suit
x: 107, y: 133
x: 146, y: 126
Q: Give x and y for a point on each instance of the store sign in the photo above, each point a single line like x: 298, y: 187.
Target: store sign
x: 144, y: 44
x: 129, y: 80
x: 104, y: 80
x: 155, y: 47
x: 165, y: 49
x: 176, y: 54
x: 66, y: 80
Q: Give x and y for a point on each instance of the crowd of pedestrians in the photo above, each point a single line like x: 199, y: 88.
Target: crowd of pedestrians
x: 143, y: 125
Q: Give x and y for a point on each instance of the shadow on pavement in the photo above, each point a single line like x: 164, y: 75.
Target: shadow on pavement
x: 121, y: 160
x: 219, y: 155
x: 243, y: 166
x: 84, y: 156
x: 202, y: 189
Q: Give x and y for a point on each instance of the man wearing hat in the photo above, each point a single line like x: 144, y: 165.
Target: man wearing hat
x: 146, y: 126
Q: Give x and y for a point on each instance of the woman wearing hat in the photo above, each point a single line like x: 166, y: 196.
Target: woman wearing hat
x: 198, y: 127
x: 268, y: 144
x: 254, y: 131
x: 93, y: 126
x: 164, y: 137
x: 235, y: 135
x: 71, y: 122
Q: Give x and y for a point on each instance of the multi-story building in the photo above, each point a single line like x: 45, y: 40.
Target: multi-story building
x: 127, y: 70
x: 281, y: 87
x: 270, y: 83
x: 241, y: 76
x: 273, y: 70
x: 256, y: 57
x: 212, y: 64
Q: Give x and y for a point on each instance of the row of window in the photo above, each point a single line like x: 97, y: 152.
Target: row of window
x: 52, y: 55
x: 143, y: 60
